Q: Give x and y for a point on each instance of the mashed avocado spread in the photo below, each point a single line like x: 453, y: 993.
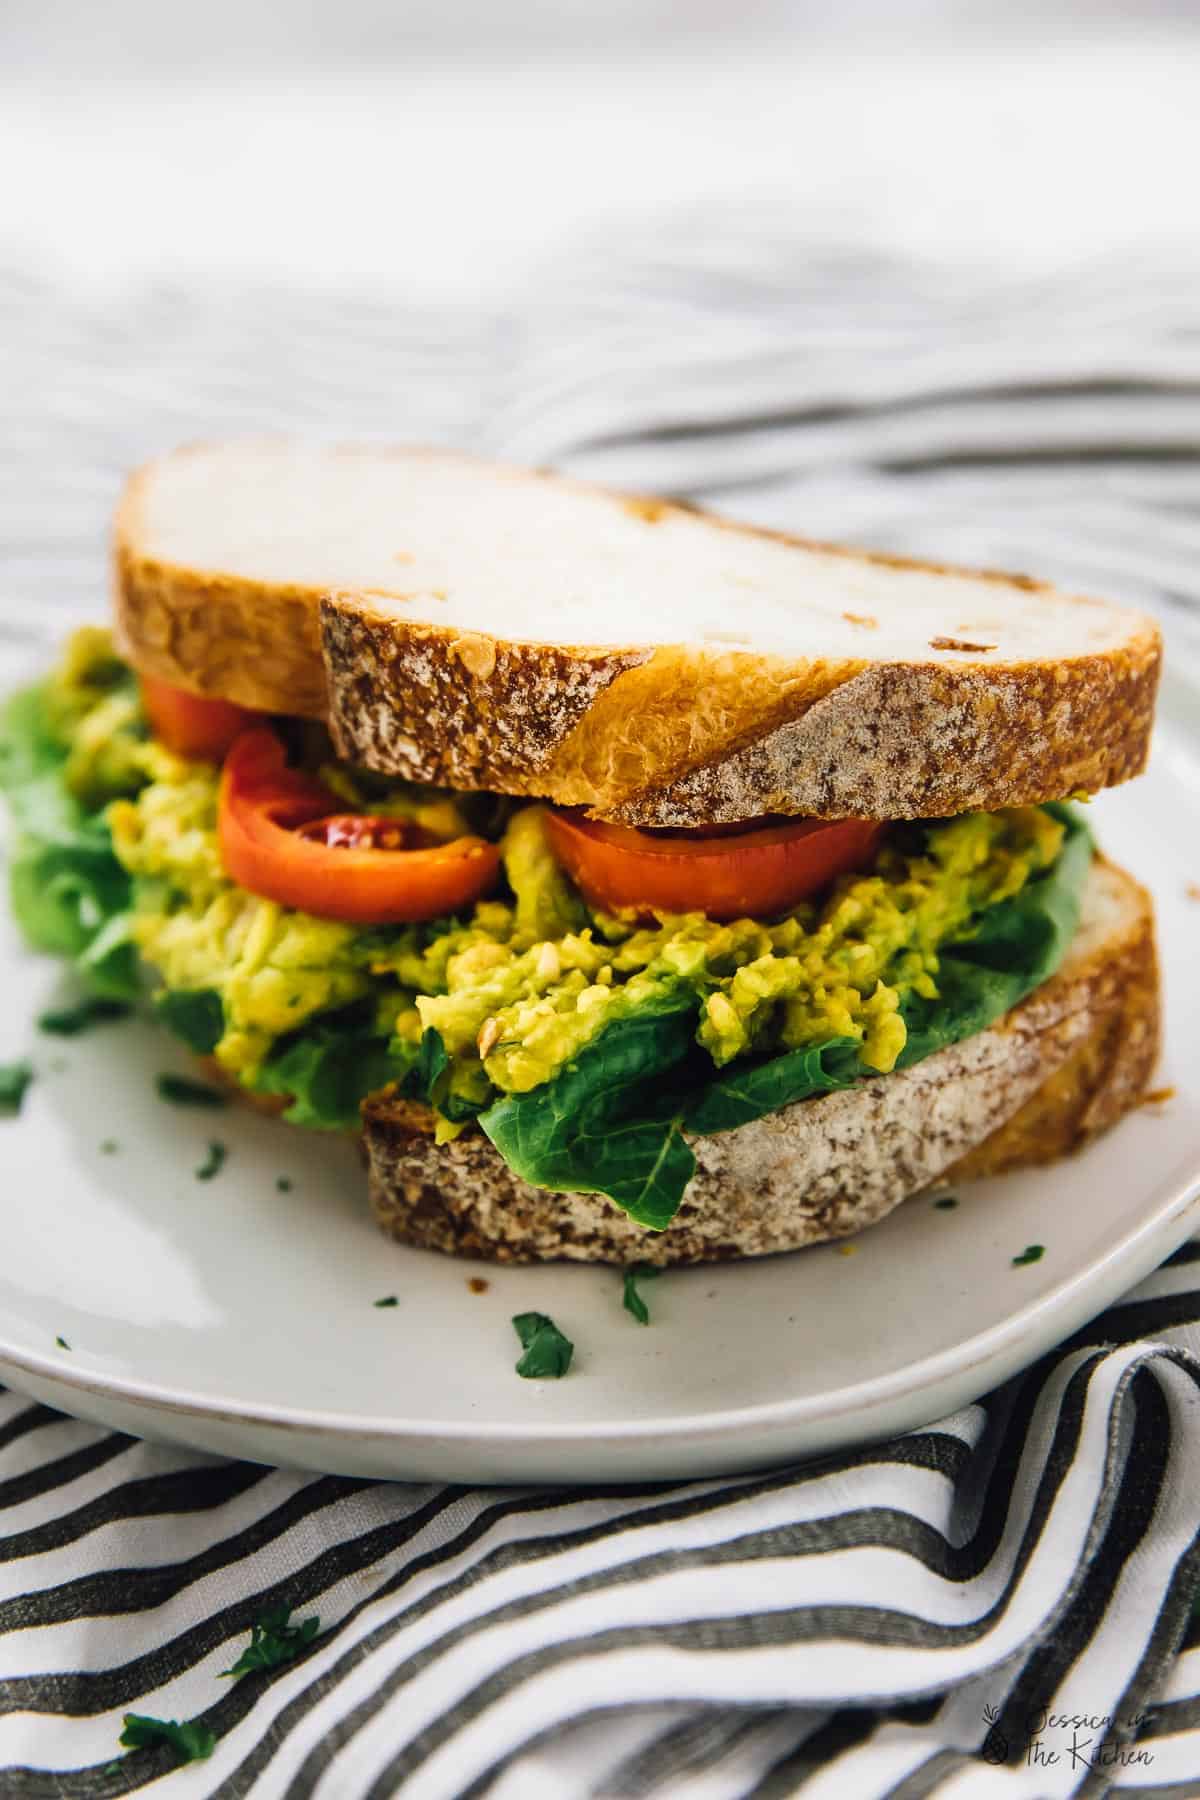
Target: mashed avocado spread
x: 532, y: 987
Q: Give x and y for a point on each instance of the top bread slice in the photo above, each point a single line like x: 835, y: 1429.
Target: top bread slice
x: 486, y: 627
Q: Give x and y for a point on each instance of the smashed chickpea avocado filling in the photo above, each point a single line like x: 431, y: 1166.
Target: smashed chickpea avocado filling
x: 473, y: 1013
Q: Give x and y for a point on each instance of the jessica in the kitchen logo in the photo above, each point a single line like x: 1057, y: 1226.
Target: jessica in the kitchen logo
x: 1048, y: 1740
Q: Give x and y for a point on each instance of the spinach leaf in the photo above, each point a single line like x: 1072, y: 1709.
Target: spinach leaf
x: 592, y: 1129
x: 747, y: 1091
x: 547, y: 1352
x: 328, y: 1067
x: 1019, y: 944
x: 194, y: 1014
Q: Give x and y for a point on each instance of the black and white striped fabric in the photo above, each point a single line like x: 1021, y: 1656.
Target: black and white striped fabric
x: 1000, y: 1604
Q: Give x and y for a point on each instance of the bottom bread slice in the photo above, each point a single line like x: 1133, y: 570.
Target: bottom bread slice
x: 1063, y: 1065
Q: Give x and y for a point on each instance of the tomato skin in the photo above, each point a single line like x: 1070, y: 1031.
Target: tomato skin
x: 190, y: 724
x: 756, y: 873
x: 281, y: 836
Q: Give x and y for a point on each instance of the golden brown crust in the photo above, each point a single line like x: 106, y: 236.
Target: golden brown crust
x: 926, y: 740
x: 666, y: 735
x: 217, y: 635
x: 686, y: 736
x: 461, y: 710
x: 1065, y: 1064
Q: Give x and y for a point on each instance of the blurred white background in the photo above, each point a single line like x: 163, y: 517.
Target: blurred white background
x: 442, y: 146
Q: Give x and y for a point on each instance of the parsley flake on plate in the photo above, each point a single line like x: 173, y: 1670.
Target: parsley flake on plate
x: 180, y: 1090
x: 946, y: 1203
x: 1032, y: 1253
x: 631, y: 1300
x: 194, y: 1741
x: 213, y: 1163
x: 387, y: 1300
x: 69, y: 1021
x: 62, y: 1343
x: 15, y: 1077
x: 547, y: 1352
x: 273, y: 1641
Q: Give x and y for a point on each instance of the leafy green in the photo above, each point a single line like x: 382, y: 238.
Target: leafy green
x: 194, y: 1014
x: 1018, y: 945
x: 592, y: 1129
x: 631, y: 1300
x: 181, y: 1090
x: 62, y: 1342
x: 387, y: 1300
x: 1032, y: 1253
x: 193, y: 1741
x: 547, y: 1352
x: 214, y: 1162
x: 273, y: 1641
x: 69, y: 1021
x: 744, y: 1092
x: 613, y: 1121
x: 67, y: 888
x: 15, y: 1078
x: 328, y: 1068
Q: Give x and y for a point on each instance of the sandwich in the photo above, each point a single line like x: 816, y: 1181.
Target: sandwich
x: 641, y: 886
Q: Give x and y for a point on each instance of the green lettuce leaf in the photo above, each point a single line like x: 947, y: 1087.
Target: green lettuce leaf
x: 69, y: 893
x: 593, y: 1129
x: 613, y: 1121
x: 1018, y: 945
x: 747, y: 1091
x: 328, y: 1068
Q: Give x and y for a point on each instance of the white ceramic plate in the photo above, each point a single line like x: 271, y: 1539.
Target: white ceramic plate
x: 236, y: 1318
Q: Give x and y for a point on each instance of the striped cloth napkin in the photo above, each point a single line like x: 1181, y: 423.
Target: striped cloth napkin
x: 1000, y: 1604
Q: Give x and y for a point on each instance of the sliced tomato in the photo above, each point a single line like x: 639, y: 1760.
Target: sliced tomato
x: 282, y: 837
x: 191, y: 724
x: 753, y: 873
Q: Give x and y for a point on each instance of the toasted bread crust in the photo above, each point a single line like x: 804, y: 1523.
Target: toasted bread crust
x: 655, y: 732
x: 677, y: 737
x: 1065, y: 1064
x: 453, y: 708
x: 220, y: 635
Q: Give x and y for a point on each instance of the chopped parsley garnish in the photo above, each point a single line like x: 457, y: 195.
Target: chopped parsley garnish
x: 69, y: 1021
x: 213, y: 1163
x: 388, y: 1300
x: 273, y: 1641
x: 194, y: 1741
x: 946, y: 1202
x: 181, y: 1091
x: 631, y: 1300
x: 547, y: 1352
x: 62, y: 1343
x: 283, y: 1183
x: 15, y: 1077
x: 1032, y: 1253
